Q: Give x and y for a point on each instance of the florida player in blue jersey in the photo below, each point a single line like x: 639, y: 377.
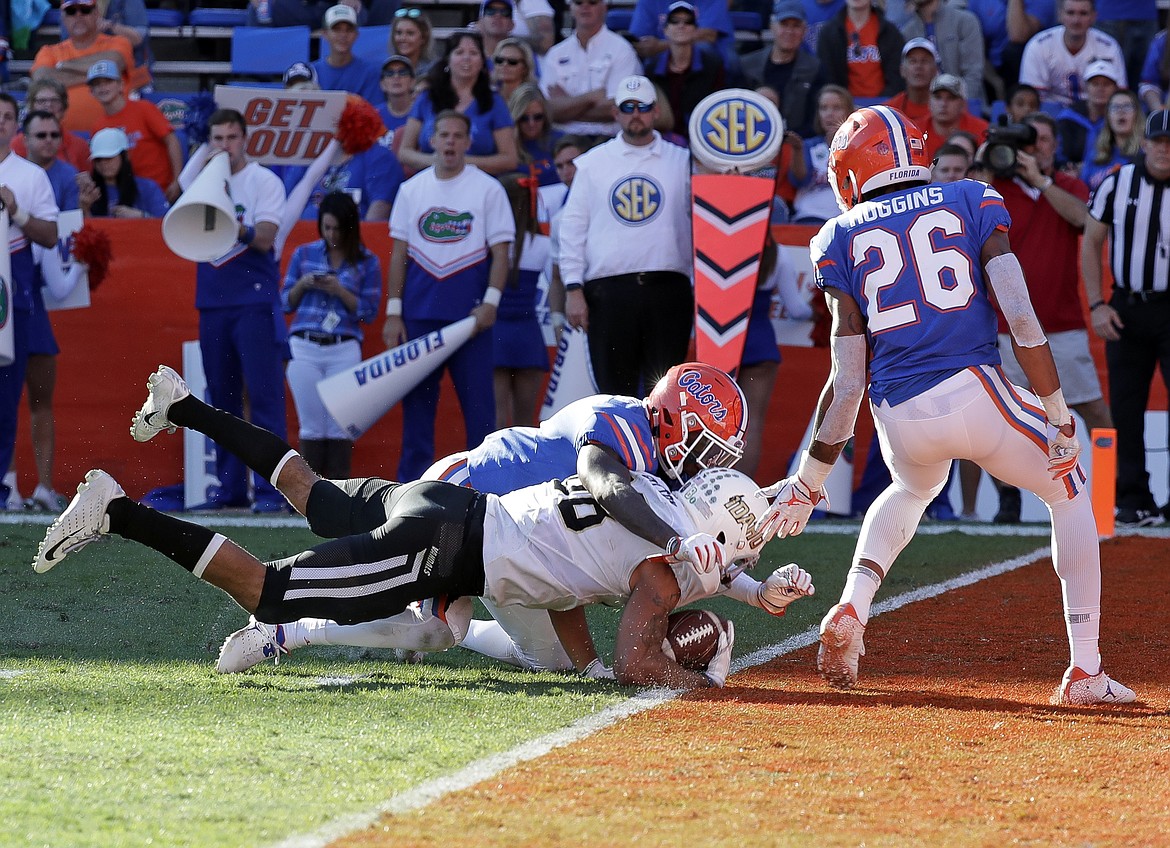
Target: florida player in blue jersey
x: 908, y: 270
x: 695, y: 417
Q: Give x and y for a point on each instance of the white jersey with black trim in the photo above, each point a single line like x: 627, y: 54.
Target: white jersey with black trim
x: 551, y: 546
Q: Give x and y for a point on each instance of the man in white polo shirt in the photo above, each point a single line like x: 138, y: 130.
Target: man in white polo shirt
x: 626, y: 248
x: 579, y: 75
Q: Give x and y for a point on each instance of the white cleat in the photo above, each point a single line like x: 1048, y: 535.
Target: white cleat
x: 1081, y: 689
x: 82, y: 522
x: 251, y: 645
x: 165, y: 387
x: 841, y: 646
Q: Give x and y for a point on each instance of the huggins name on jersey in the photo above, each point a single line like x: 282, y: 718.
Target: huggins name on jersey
x: 884, y: 207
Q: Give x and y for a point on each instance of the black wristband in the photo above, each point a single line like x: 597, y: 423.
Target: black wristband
x: 573, y: 287
x: 1095, y: 305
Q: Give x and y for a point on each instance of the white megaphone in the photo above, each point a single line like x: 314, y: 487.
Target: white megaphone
x: 357, y: 397
x: 202, y: 225
x: 572, y: 373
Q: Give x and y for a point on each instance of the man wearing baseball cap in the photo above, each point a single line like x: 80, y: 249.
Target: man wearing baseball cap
x: 496, y: 21
x: 919, y: 67
x: 340, y: 69
x: 794, y: 74
x: 69, y: 60
x: 636, y: 305
x: 1134, y: 317
x: 948, y: 113
x: 155, y: 152
x: 1079, y: 122
x: 398, y: 90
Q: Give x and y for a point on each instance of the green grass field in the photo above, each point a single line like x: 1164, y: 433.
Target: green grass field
x: 117, y: 731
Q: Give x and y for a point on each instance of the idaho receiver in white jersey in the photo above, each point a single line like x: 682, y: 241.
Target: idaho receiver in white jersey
x: 390, y: 544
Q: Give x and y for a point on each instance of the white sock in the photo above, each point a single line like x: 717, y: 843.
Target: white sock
x: 1076, y: 556
x: 410, y: 630
x: 861, y: 584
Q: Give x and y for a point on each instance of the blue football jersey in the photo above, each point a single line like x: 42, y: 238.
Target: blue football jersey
x: 516, y: 457
x: 911, y: 260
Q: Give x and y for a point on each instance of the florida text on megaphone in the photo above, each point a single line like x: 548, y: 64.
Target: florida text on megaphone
x: 382, y: 365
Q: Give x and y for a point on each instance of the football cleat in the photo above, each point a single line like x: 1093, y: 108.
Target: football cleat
x: 82, y: 522
x: 251, y: 645
x: 165, y: 387
x: 1081, y: 689
x: 841, y: 646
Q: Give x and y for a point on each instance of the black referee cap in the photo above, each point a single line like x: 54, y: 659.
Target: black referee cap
x: 1158, y: 124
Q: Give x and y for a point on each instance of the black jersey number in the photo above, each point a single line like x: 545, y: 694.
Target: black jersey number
x: 579, y: 510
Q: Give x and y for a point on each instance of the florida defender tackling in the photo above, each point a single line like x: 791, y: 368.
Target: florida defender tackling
x: 909, y: 270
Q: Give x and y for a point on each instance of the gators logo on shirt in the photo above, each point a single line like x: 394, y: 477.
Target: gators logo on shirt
x: 445, y: 225
x: 636, y: 199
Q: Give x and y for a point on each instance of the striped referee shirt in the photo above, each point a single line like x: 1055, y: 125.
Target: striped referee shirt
x: 1136, y: 209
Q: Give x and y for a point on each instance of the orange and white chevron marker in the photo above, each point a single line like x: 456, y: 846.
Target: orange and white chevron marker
x: 733, y: 133
x: 730, y: 217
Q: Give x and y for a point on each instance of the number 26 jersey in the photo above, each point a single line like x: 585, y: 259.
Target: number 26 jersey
x: 911, y: 260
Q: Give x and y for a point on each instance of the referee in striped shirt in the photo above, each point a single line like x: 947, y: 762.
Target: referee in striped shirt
x: 1131, y: 209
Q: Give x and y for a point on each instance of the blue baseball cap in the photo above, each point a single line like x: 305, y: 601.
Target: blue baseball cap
x: 783, y: 10
x: 105, y: 69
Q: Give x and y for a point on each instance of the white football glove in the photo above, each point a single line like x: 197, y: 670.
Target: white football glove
x: 597, y: 670
x: 1063, y: 451
x: 783, y: 586
x: 702, y: 550
x: 791, y: 508
x: 720, y: 664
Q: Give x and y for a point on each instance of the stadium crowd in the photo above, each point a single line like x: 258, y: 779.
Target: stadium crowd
x: 1062, y: 86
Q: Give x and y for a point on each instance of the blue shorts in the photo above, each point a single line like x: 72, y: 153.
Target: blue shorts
x: 519, y: 343
x: 760, y: 342
x: 41, y: 341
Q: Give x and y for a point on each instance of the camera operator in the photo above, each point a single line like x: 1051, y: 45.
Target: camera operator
x: 1048, y: 209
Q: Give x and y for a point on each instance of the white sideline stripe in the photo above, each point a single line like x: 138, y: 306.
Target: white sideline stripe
x: 480, y: 770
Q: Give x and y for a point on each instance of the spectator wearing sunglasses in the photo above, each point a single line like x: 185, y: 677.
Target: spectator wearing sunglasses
x: 495, y: 23
x: 535, y: 136
x: 69, y: 60
x: 398, y: 89
x: 579, y: 76
x: 410, y: 36
x: 684, y: 72
x: 513, y: 65
x: 48, y: 95
x: 340, y: 69
x: 714, y: 30
x: 43, y: 135
x: 637, y: 306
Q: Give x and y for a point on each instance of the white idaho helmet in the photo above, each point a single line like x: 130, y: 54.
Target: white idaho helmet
x: 727, y: 504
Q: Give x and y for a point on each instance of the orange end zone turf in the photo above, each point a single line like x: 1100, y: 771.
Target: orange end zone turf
x: 949, y: 739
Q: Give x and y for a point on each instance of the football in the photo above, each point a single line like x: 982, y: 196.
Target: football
x: 692, y: 637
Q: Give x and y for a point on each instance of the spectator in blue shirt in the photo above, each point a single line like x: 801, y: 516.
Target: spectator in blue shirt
x: 119, y: 193
x: 333, y: 286
x: 340, y: 70
x: 460, y: 81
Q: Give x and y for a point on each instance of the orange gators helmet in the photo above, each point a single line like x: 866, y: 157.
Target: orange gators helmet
x: 876, y: 147
x: 697, y: 412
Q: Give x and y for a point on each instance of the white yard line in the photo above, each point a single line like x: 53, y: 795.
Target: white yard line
x: 480, y: 770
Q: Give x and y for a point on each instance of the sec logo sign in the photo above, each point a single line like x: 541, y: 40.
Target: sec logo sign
x: 636, y: 200
x: 735, y: 130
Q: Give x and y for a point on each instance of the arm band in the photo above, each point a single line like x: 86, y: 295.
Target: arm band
x: 492, y: 296
x: 574, y: 286
x: 1007, y: 281
x: 1095, y: 305
x: 393, y: 306
x: 20, y: 217
x: 249, y: 235
x: 1056, y: 409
